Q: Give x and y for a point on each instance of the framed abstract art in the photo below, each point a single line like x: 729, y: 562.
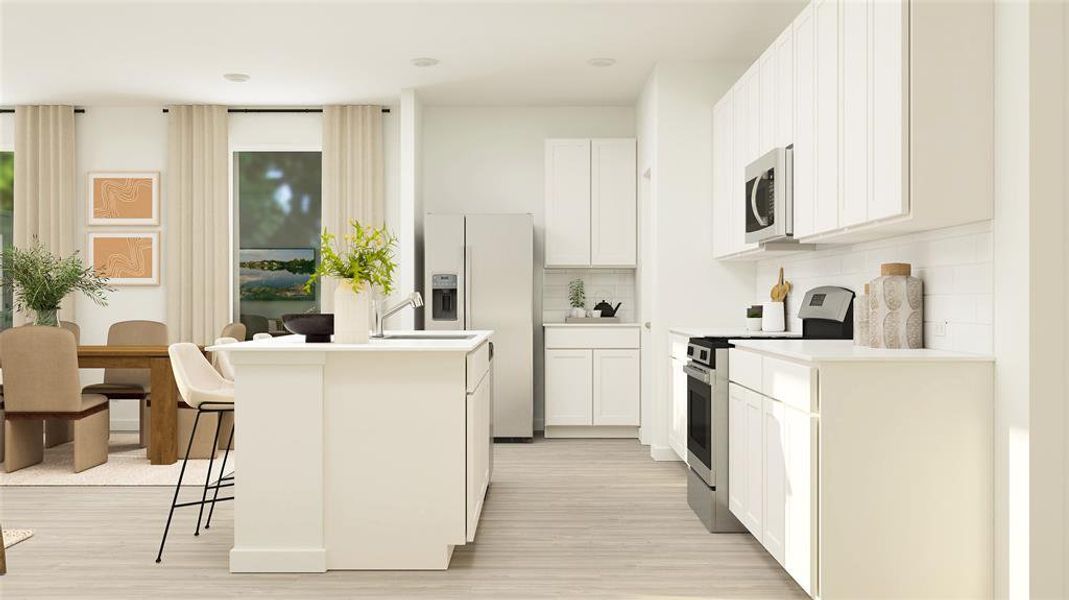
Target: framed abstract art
x: 123, y: 198
x: 126, y: 257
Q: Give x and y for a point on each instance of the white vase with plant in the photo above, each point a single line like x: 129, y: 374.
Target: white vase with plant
x: 41, y: 280
x: 577, y: 297
x: 364, y: 262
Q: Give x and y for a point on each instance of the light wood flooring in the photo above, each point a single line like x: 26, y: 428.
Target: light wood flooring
x: 563, y: 519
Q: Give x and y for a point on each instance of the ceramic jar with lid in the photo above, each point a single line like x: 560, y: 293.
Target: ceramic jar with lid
x: 896, y: 308
x: 862, y: 337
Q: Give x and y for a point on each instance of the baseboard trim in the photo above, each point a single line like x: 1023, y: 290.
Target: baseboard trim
x: 586, y: 431
x: 664, y: 454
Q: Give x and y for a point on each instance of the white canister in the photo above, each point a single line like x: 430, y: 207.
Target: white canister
x: 352, y: 313
x: 773, y: 316
x: 753, y: 323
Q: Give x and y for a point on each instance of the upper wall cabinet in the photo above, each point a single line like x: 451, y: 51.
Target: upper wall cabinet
x: 888, y: 105
x: 591, y: 206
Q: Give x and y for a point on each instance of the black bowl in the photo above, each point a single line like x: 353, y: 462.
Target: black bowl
x: 316, y: 328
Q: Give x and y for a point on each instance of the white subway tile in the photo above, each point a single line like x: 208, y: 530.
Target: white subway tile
x: 937, y: 280
x: 973, y: 279
x: 984, y: 309
x: 971, y: 338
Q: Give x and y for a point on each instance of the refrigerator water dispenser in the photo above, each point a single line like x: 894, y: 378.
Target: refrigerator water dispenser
x: 444, y: 297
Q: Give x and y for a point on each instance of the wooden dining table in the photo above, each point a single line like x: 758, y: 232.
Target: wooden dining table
x: 163, y: 429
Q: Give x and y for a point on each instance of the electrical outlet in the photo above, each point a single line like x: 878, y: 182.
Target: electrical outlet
x: 939, y: 329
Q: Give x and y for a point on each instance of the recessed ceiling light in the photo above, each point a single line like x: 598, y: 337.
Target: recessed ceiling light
x: 424, y: 61
x: 601, y: 62
x: 236, y: 77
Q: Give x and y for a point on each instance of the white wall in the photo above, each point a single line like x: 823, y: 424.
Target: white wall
x: 410, y: 205
x: 490, y: 160
x: 690, y: 287
x: 953, y: 263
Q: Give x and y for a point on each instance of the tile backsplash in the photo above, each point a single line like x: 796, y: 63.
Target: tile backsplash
x: 612, y: 285
x: 954, y: 264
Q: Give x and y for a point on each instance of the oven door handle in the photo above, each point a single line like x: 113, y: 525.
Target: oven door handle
x: 698, y: 373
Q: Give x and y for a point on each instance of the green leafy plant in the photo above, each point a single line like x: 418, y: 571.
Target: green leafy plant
x: 42, y: 279
x: 366, y: 255
x: 755, y: 311
x: 577, y: 293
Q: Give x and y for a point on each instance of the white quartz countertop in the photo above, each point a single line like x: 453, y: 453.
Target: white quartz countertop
x: 728, y: 332
x: 817, y: 351
x: 428, y: 341
x: 610, y: 324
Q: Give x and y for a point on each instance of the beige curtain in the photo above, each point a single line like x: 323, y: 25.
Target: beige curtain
x: 45, y: 203
x: 352, y: 173
x: 197, y: 228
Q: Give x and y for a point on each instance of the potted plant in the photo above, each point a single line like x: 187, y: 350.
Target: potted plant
x: 577, y: 297
x: 362, y: 262
x: 753, y: 317
x: 41, y: 280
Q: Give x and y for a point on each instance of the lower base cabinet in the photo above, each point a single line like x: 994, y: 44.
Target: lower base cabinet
x: 480, y: 447
x: 591, y: 392
x: 876, y: 483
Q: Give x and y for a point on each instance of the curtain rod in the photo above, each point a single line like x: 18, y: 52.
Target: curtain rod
x: 7, y: 111
x: 278, y: 110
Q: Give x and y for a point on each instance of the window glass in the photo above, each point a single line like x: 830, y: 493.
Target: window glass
x: 7, y: 204
x: 279, y: 213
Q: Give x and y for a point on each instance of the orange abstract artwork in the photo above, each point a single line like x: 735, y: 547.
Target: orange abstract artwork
x: 125, y: 259
x: 127, y: 198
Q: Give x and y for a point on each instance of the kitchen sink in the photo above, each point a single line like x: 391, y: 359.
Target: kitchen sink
x: 424, y: 336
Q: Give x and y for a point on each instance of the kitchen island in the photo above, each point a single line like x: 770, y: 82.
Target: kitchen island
x: 360, y: 456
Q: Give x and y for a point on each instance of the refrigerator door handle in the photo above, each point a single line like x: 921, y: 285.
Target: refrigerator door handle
x: 467, y: 288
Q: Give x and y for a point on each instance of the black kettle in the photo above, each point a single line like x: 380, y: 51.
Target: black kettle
x: 607, y: 310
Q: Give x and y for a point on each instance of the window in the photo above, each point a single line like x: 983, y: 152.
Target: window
x: 7, y: 205
x: 279, y: 214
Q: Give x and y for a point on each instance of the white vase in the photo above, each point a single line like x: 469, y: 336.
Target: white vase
x: 753, y: 323
x: 773, y: 317
x: 352, y: 313
x: 577, y: 312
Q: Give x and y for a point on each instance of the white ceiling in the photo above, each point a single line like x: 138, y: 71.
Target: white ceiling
x: 298, y: 53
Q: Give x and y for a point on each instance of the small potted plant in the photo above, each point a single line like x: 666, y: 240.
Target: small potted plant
x: 577, y: 297
x: 753, y: 317
x: 41, y: 280
x: 362, y: 262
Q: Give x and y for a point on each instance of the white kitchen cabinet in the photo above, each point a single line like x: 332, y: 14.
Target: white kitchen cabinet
x: 613, y: 203
x: 830, y: 453
x: 616, y: 387
x: 592, y: 381
x: 774, y: 473
x: 479, y: 450
x: 805, y: 145
x: 784, y: 83
x: 567, y: 229
x: 856, y: 36
x: 569, y: 387
x: 826, y: 108
x: 738, y: 470
x: 591, y: 203
x: 724, y: 176
x: 766, y: 116
x: 889, y: 45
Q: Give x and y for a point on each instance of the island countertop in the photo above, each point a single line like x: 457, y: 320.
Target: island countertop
x: 394, y: 341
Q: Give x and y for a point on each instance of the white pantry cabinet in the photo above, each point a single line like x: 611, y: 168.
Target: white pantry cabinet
x: 591, y: 203
x: 592, y: 381
x: 677, y: 382
x: 844, y: 482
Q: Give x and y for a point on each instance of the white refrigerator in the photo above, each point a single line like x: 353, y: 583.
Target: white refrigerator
x: 479, y: 274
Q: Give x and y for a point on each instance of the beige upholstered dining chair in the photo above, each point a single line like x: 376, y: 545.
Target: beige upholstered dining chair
x: 234, y: 330
x: 221, y: 362
x: 41, y: 383
x: 131, y: 384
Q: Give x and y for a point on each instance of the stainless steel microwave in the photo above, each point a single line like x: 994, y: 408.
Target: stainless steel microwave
x: 769, y: 206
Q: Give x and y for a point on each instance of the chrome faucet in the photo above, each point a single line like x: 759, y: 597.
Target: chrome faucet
x: 414, y: 300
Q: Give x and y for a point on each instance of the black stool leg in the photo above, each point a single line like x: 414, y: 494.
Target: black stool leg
x: 222, y: 472
x: 178, y: 486
x: 208, y: 477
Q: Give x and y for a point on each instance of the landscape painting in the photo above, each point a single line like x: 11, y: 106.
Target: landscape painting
x: 276, y: 274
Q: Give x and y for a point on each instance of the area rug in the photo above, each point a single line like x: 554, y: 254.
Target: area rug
x: 14, y: 536
x: 127, y: 465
